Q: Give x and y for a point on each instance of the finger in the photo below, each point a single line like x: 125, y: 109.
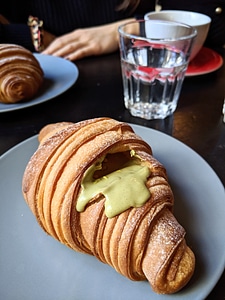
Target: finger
x: 52, y: 48
x: 64, y: 50
x: 76, y: 50
x: 82, y: 52
x: 58, y: 44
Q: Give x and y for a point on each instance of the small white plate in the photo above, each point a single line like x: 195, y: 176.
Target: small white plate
x: 35, y: 266
x: 59, y: 75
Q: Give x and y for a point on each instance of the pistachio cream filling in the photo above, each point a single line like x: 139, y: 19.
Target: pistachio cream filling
x: 123, y: 187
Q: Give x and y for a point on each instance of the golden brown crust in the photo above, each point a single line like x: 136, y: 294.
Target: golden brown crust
x: 140, y: 243
x: 21, y: 75
x: 50, y: 130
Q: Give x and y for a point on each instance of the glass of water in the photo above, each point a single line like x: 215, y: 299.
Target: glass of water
x: 154, y: 58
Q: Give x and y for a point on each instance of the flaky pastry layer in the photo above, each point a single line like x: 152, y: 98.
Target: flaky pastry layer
x: 141, y: 243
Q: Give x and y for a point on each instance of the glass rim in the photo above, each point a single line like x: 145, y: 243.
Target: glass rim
x: 139, y: 37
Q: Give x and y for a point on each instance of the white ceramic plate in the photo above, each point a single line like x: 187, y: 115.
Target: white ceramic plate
x: 59, y: 75
x: 35, y: 266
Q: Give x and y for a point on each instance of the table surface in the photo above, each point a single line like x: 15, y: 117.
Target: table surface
x: 197, y: 122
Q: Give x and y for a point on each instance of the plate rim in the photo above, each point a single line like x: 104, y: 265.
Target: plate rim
x: 213, y: 69
x: 23, y: 105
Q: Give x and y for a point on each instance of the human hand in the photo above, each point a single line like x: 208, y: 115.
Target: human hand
x: 86, y: 42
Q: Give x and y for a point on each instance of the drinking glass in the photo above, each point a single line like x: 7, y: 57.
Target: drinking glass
x: 154, y: 58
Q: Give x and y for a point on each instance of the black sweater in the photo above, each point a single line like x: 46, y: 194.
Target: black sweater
x: 63, y: 16
x: 60, y: 16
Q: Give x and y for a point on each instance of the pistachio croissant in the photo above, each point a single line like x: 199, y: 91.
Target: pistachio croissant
x: 21, y: 75
x: 96, y: 187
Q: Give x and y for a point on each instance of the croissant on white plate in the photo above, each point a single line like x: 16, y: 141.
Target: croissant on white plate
x: 21, y: 75
x: 95, y: 187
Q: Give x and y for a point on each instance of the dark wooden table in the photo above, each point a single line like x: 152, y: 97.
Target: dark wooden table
x: 197, y: 121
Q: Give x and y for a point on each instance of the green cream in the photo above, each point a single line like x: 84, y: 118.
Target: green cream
x: 123, y: 188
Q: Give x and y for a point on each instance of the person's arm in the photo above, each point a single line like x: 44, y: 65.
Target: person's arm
x: 86, y: 42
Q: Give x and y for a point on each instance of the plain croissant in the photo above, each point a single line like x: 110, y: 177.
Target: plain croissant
x: 21, y: 75
x: 76, y: 186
